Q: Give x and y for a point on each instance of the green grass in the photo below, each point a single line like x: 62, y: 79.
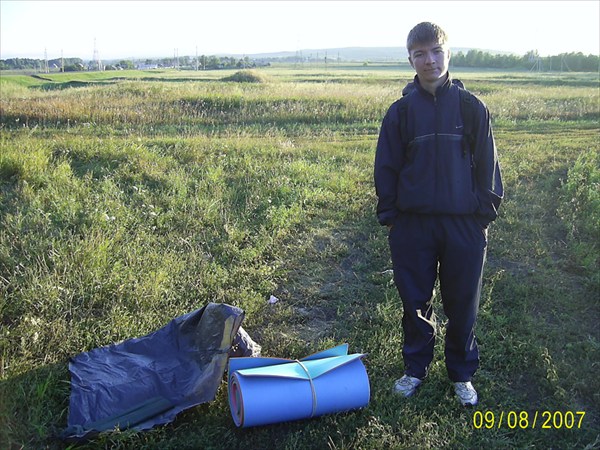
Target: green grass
x: 127, y: 199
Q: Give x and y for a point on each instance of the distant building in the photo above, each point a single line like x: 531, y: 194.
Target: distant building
x: 144, y: 66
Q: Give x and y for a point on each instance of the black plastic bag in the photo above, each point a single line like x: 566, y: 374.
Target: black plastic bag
x: 147, y: 381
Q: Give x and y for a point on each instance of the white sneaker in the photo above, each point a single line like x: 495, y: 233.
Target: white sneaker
x: 407, y: 385
x: 466, y: 393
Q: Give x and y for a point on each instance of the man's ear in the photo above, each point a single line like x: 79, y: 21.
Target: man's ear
x: 410, y: 61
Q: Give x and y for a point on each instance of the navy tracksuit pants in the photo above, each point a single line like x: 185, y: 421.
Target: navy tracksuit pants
x: 424, y: 247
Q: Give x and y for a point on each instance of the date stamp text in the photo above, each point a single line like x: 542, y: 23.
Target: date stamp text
x: 545, y: 420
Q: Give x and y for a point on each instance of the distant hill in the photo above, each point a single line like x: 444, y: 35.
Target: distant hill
x: 373, y: 54
x: 344, y: 54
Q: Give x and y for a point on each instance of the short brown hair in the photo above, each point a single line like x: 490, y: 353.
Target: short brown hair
x: 425, y: 33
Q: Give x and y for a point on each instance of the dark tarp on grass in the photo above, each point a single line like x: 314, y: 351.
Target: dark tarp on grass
x: 147, y: 381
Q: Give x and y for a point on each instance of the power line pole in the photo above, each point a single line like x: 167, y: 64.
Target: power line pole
x: 176, y: 58
x: 46, y: 68
x: 563, y: 62
x: 96, y: 58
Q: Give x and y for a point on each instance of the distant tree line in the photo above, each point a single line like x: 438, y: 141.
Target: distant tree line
x: 69, y: 64
x: 206, y: 62
x: 576, y: 62
x: 183, y: 62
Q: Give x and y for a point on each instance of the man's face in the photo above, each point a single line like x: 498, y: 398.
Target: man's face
x: 430, y: 61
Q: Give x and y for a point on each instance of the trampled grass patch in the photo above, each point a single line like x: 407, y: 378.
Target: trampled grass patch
x: 126, y: 202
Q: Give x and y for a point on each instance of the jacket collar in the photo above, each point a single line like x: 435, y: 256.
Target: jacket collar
x: 440, y: 91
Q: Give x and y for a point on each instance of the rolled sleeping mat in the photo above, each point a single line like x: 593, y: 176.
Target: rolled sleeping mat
x: 270, y: 390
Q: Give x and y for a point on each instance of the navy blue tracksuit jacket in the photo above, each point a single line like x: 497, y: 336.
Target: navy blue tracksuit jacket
x: 436, y: 176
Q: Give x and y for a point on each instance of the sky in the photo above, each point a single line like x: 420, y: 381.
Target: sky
x: 144, y: 29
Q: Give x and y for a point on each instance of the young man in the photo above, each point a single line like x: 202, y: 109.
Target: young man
x: 438, y: 189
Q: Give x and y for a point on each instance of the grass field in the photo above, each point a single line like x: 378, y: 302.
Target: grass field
x: 130, y: 198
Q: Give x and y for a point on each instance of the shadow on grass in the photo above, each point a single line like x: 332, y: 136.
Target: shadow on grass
x: 58, y: 86
x: 53, y: 85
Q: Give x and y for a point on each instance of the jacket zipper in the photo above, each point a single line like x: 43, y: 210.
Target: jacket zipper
x: 436, y: 153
